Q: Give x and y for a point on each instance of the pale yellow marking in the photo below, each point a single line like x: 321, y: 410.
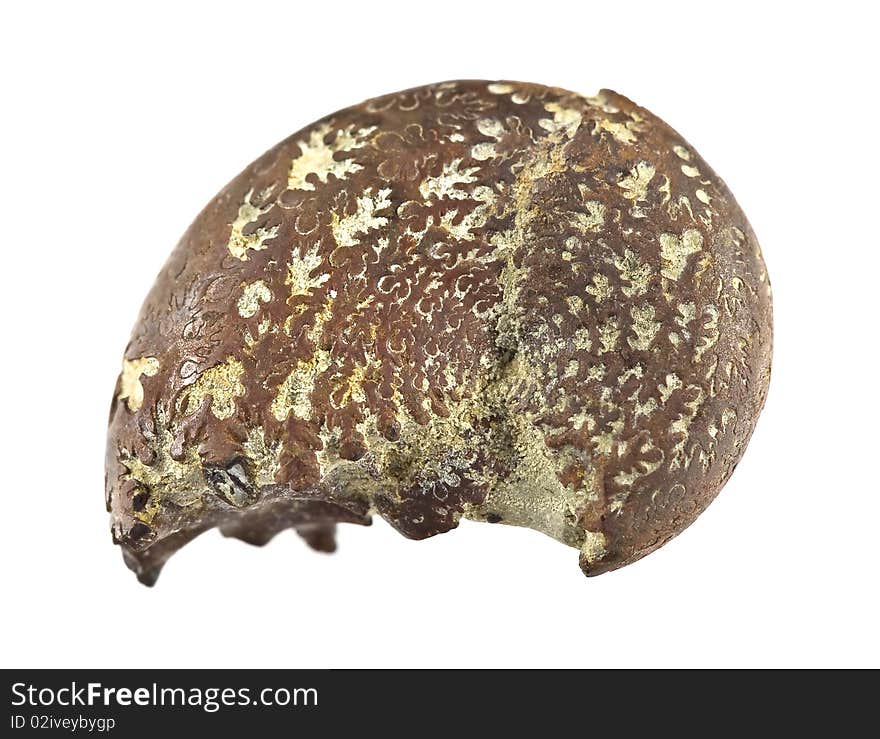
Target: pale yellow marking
x: 264, y: 456
x: 712, y: 332
x: 582, y: 340
x: 623, y: 132
x: 604, y: 442
x: 444, y: 184
x: 347, y: 230
x: 252, y: 294
x: 130, y: 388
x: 581, y: 419
x: 682, y: 153
x: 644, y: 327
x: 565, y: 120
x: 264, y: 326
x: 575, y: 304
x: 239, y: 243
x: 673, y: 383
x: 637, y: 371
x: 500, y: 88
x: 681, y: 425
x: 295, y: 392
x: 483, y: 151
x: 592, y: 220
x: 601, y: 288
x: 181, y: 482
x: 641, y: 468
x: 643, y: 409
x: 674, y: 205
x: 222, y: 382
x: 493, y: 128
x: 666, y: 189
x: 603, y: 102
x: 353, y: 385
x: 690, y: 171
x: 634, y: 271
x: 703, y: 197
x: 300, y: 268
x: 688, y: 313
x: 317, y: 158
x: 675, y: 250
x: 609, y: 333
x: 463, y: 230
x: 594, y: 546
x: 728, y: 416
x: 635, y: 185
x: 294, y: 395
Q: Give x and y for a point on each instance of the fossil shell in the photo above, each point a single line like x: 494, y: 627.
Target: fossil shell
x: 497, y: 301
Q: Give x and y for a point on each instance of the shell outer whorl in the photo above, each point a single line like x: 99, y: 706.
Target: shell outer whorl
x: 491, y: 300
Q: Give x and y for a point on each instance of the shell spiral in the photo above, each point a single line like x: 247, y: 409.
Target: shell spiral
x: 491, y: 300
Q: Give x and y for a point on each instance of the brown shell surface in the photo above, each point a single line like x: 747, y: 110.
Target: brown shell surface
x: 491, y: 300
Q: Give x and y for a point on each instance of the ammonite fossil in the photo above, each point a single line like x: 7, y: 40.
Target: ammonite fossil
x: 486, y: 300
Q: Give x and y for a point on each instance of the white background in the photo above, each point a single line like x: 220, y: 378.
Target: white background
x: 118, y: 125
